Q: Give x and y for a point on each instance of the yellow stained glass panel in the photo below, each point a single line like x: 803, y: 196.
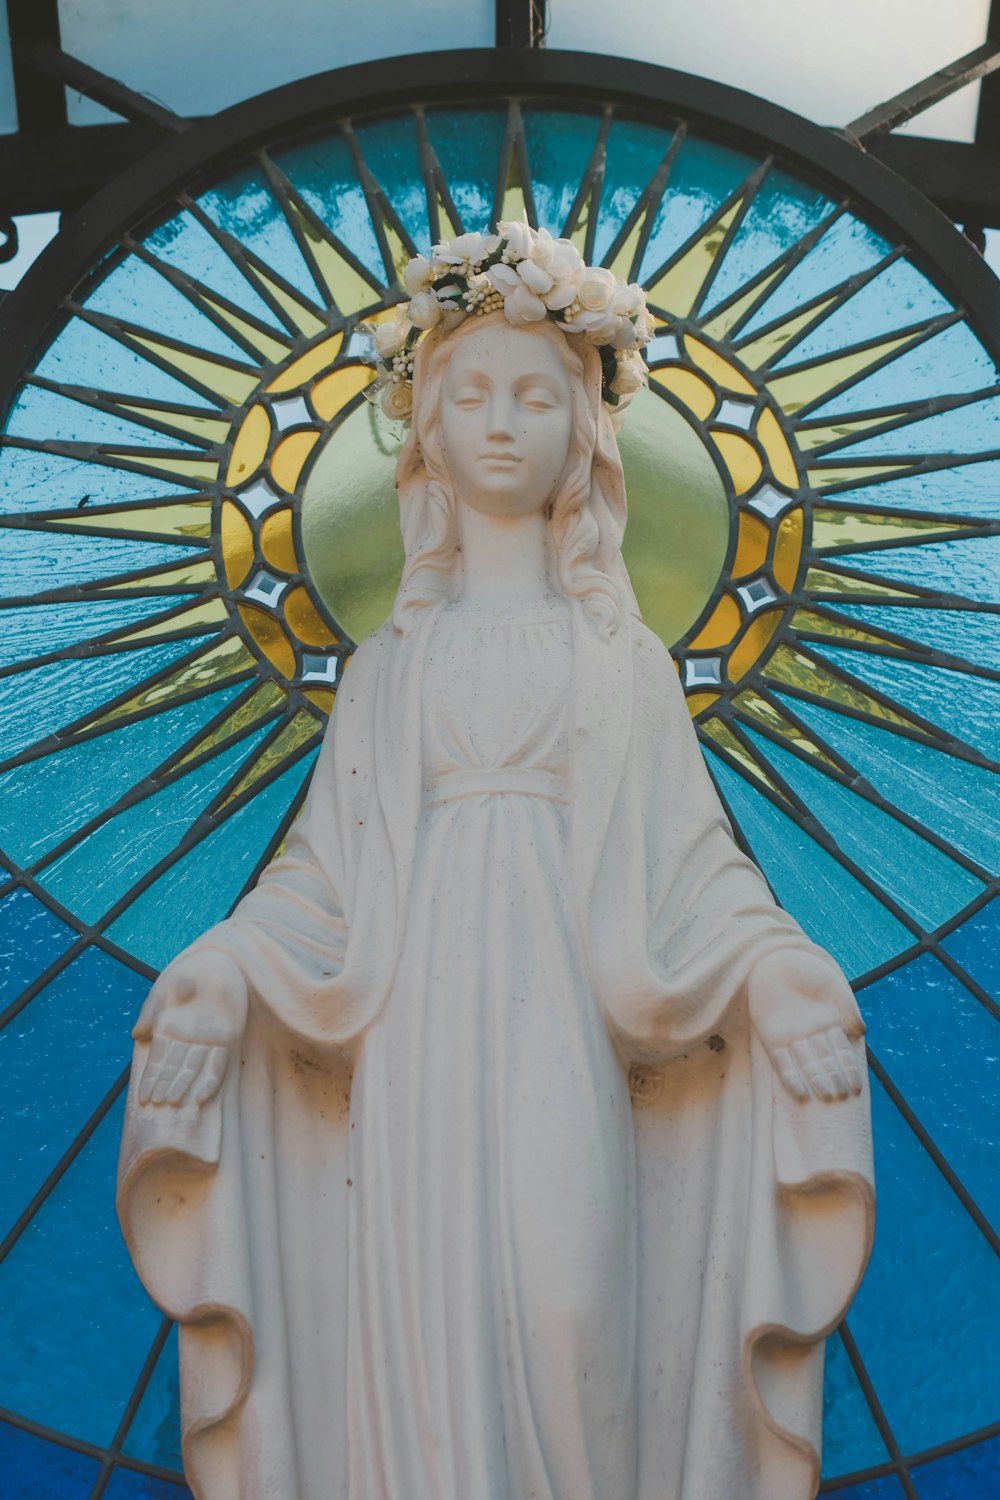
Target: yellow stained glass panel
x: 288, y: 458
x: 770, y: 715
x: 297, y: 732
x: 788, y: 549
x: 331, y: 394
x: 270, y: 637
x: 237, y: 544
x: 250, y: 447
x: 268, y: 697
x: 720, y: 627
x: 751, y: 547
x: 717, y: 368
x: 305, y: 620
x: 757, y: 637
x: 695, y: 393
x: 277, y: 542
x: 741, y: 459
x: 188, y: 518
x: 775, y: 445
x: 301, y: 370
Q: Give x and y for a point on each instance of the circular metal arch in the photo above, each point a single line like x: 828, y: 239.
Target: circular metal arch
x: 202, y: 153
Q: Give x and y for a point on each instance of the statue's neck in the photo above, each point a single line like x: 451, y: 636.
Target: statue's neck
x: 503, y: 557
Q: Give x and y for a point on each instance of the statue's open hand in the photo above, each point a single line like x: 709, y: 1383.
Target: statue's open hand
x: 809, y: 1023
x: 193, y: 1017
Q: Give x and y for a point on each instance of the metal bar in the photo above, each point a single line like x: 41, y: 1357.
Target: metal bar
x: 41, y: 104
x: 52, y: 63
x: 913, y: 101
x: 520, y: 23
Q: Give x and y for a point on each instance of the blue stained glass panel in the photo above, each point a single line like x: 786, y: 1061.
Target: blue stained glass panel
x: 35, y: 1468
x: 783, y: 210
x: 187, y: 246
x: 392, y: 154
x: 926, y: 1315
x: 75, y: 1325
x: 970, y: 568
x: 35, y: 703
x: 634, y: 152
x: 830, y: 904
x: 559, y: 149
x: 45, y: 800
x: 959, y: 801
x: 82, y: 352
x: 33, y: 481
x: 29, y: 558
x: 922, y: 880
x: 702, y: 177
x: 966, y: 707
x: 155, y: 1433
x: 126, y: 1484
x: 244, y: 206
x: 58, y: 1058
x: 948, y: 364
x: 895, y: 298
x: 846, y: 248
x: 30, y: 631
x: 851, y: 1440
x: 202, y: 888
x: 324, y: 174
x: 468, y: 144
x: 39, y: 413
x: 964, y: 490
x: 972, y: 635
x: 91, y: 877
x: 136, y: 293
x: 970, y: 1474
x: 887, y: 1487
x: 31, y: 938
x: 938, y: 1044
x: 976, y: 946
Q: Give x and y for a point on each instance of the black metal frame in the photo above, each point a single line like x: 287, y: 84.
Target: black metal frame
x: 206, y: 150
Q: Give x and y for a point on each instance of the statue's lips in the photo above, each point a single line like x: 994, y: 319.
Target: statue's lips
x: 500, y: 458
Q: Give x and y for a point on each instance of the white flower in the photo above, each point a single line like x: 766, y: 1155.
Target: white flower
x: 520, y: 238
x: 630, y: 375
x: 626, y: 336
x: 520, y: 304
x: 397, y: 400
x: 418, y: 275
x: 596, y: 288
x: 389, y: 337
x: 466, y: 250
x: 629, y: 300
x: 425, y: 310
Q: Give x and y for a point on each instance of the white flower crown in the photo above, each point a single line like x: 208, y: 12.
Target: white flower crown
x: 529, y: 276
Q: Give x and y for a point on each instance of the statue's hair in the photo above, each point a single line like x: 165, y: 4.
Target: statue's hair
x: 587, y: 512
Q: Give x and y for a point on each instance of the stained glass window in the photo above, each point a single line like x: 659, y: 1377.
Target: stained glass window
x: 198, y: 524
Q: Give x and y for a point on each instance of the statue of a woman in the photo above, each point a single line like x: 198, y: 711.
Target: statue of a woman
x: 382, y: 1161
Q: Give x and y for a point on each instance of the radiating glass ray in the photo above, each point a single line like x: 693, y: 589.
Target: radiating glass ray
x: 514, y: 176
x: 348, y: 285
x: 301, y: 729
x: 897, y: 295
x: 738, y: 751
x: 928, y: 885
x: 973, y: 635
x: 202, y: 887
x: 33, y: 480
x: 44, y: 800
x: 702, y: 177
x: 185, y: 244
x: 835, y: 910
x: 806, y: 386
x: 325, y: 177
x: 135, y: 295
x: 968, y: 711
x: 262, y: 703
x: 186, y: 521
x: 847, y: 247
x: 201, y: 670
x: 761, y: 707
x: 972, y: 427
x: 223, y: 379
x: 969, y: 567
x: 392, y: 151
x: 32, y: 631
x: 559, y: 148
x: 764, y: 348
x: 98, y: 871
x: 200, y: 617
x: 679, y: 285
x: 811, y: 624
x: 60, y: 1364
x: 157, y: 580
x: 38, y: 413
x: 242, y: 330
x: 76, y: 1027
x: 951, y: 797
x: 634, y: 154
x: 951, y: 362
x: 946, y: 488
x: 468, y: 144
x: 788, y: 667
x: 244, y: 209
x: 821, y: 582
x: 44, y: 699
x: 833, y: 529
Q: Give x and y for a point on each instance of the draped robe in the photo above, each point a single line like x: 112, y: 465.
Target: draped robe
x: 755, y: 1210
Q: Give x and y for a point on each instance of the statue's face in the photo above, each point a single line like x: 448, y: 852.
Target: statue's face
x: 506, y: 420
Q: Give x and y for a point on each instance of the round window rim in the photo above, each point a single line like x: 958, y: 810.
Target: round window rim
x: 198, y: 155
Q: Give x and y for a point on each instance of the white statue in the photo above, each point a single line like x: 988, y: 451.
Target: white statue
x: 382, y: 1161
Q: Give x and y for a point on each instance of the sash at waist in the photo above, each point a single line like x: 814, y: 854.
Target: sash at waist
x: 495, y: 782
